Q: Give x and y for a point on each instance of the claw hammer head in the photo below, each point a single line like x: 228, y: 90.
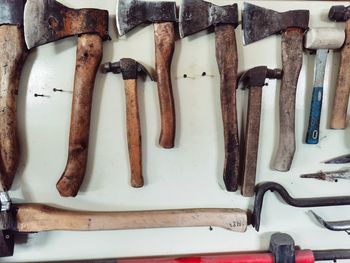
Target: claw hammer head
x: 256, y: 77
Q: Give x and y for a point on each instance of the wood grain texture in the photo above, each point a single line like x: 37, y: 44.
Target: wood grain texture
x: 292, y: 60
x: 251, y: 141
x: 38, y: 218
x: 341, y: 98
x: 89, y: 55
x: 164, y: 35
x: 226, y: 56
x: 13, y: 54
x: 134, y: 132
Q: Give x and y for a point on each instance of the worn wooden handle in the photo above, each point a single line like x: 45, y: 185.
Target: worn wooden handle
x: 226, y: 56
x: 164, y: 35
x: 13, y: 53
x: 341, y: 99
x: 134, y: 132
x: 251, y: 141
x: 292, y: 60
x: 37, y: 218
x: 89, y: 55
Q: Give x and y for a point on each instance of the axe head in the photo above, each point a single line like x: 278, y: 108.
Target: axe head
x: 197, y: 15
x: 47, y: 21
x: 131, y: 13
x: 259, y: 23
x: 11, y: 12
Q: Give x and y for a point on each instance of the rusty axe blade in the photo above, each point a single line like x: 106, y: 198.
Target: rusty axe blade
x: 131, y: 13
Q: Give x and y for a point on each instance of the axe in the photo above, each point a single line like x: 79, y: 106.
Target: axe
x: 195, y: 16
x: 131, y: 13
x: 29, y: 218
x: 259, y: 23
x: 46, y: 21
x: 13, y: 54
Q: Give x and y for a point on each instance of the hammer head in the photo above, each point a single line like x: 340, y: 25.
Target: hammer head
x: 324, y: 38
x: 47, y: 21
x: 129, y: 68
x: 11, y: 12
x: 197, y: 15
x: 256, y: 77
x: 259, y: 23
x: 131, y: 13
x: 339, y: 13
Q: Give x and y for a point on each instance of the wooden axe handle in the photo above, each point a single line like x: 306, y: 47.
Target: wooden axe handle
x: 292, y: 60
x: 341, y: 99
x: 134, y: 132
x: 251, y: 141
x: 89, y: 55
x: 38, y: 218
x: 164, y: 35
x: 13, y: 54
x: 226, y: 56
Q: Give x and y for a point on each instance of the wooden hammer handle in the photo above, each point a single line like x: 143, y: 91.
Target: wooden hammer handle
x: 292, y: 60
x: 89, y: 55
x: 134, y: 132
x: 341, y: 99
x: 226, y: 56
x: 38, y: 218
x: 13, y: 53
x: 164, y: 35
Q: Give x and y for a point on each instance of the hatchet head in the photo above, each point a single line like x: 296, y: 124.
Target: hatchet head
x: 197, y: 15
x: 131, y: 13
x: 7, y: 225
x: 47, y: 21
x: 259, y: 23
x: 11, y: 12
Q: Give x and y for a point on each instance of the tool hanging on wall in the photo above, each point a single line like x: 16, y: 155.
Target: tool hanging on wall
x: 195, y: 16
x: 333, y: 225
x: 130, y: 69
x: 46, y: 21
x: 332, y: 176
x: 341, y: 98
x: 13, y: 53
x: 339, y: 160
x: 321, y: 40
x: 131, y: 13
x: 259, y: 23
x: 254, y: 79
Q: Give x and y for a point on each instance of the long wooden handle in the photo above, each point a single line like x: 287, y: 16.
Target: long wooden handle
x: 251, y: 141
x: 341, y: 99
x: 89, y: 55
x: 226, y: 56
x: 13, y: 54
x: 292, y: 60
x: 37, y: 218
x: 164, y: 35
x: 134, y: 132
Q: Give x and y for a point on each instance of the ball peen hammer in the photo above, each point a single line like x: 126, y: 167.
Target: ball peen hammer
x: 47, y: 21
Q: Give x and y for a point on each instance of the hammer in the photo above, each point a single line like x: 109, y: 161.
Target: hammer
x: 13, y: 54
x: 259, y: 23
x: 130, y: 70
x: 322, y: 40
x: 29, y: 218
x: 340, y: 104
x: 131, y: 13
x: 46, y: 21
x: 195, y: 16
x: 255, y: 80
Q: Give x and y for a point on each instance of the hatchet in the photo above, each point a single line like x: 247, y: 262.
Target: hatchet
x: 47, y: 21
x: 13, y: 54
x: 29, y: 218
x: 195, y: 16
x: 131, y: 13
x: 259, y: 23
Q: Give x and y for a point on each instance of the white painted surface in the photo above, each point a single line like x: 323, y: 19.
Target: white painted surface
x: 188, y: 176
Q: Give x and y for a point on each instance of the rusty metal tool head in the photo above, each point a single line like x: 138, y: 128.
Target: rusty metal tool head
x: 130, y: 70
x: 259, y: 23
x: 255, y: 80
x: 131, y: 13
x: 197, y: 15
x: 262, y: 188
x: 11, y: 12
